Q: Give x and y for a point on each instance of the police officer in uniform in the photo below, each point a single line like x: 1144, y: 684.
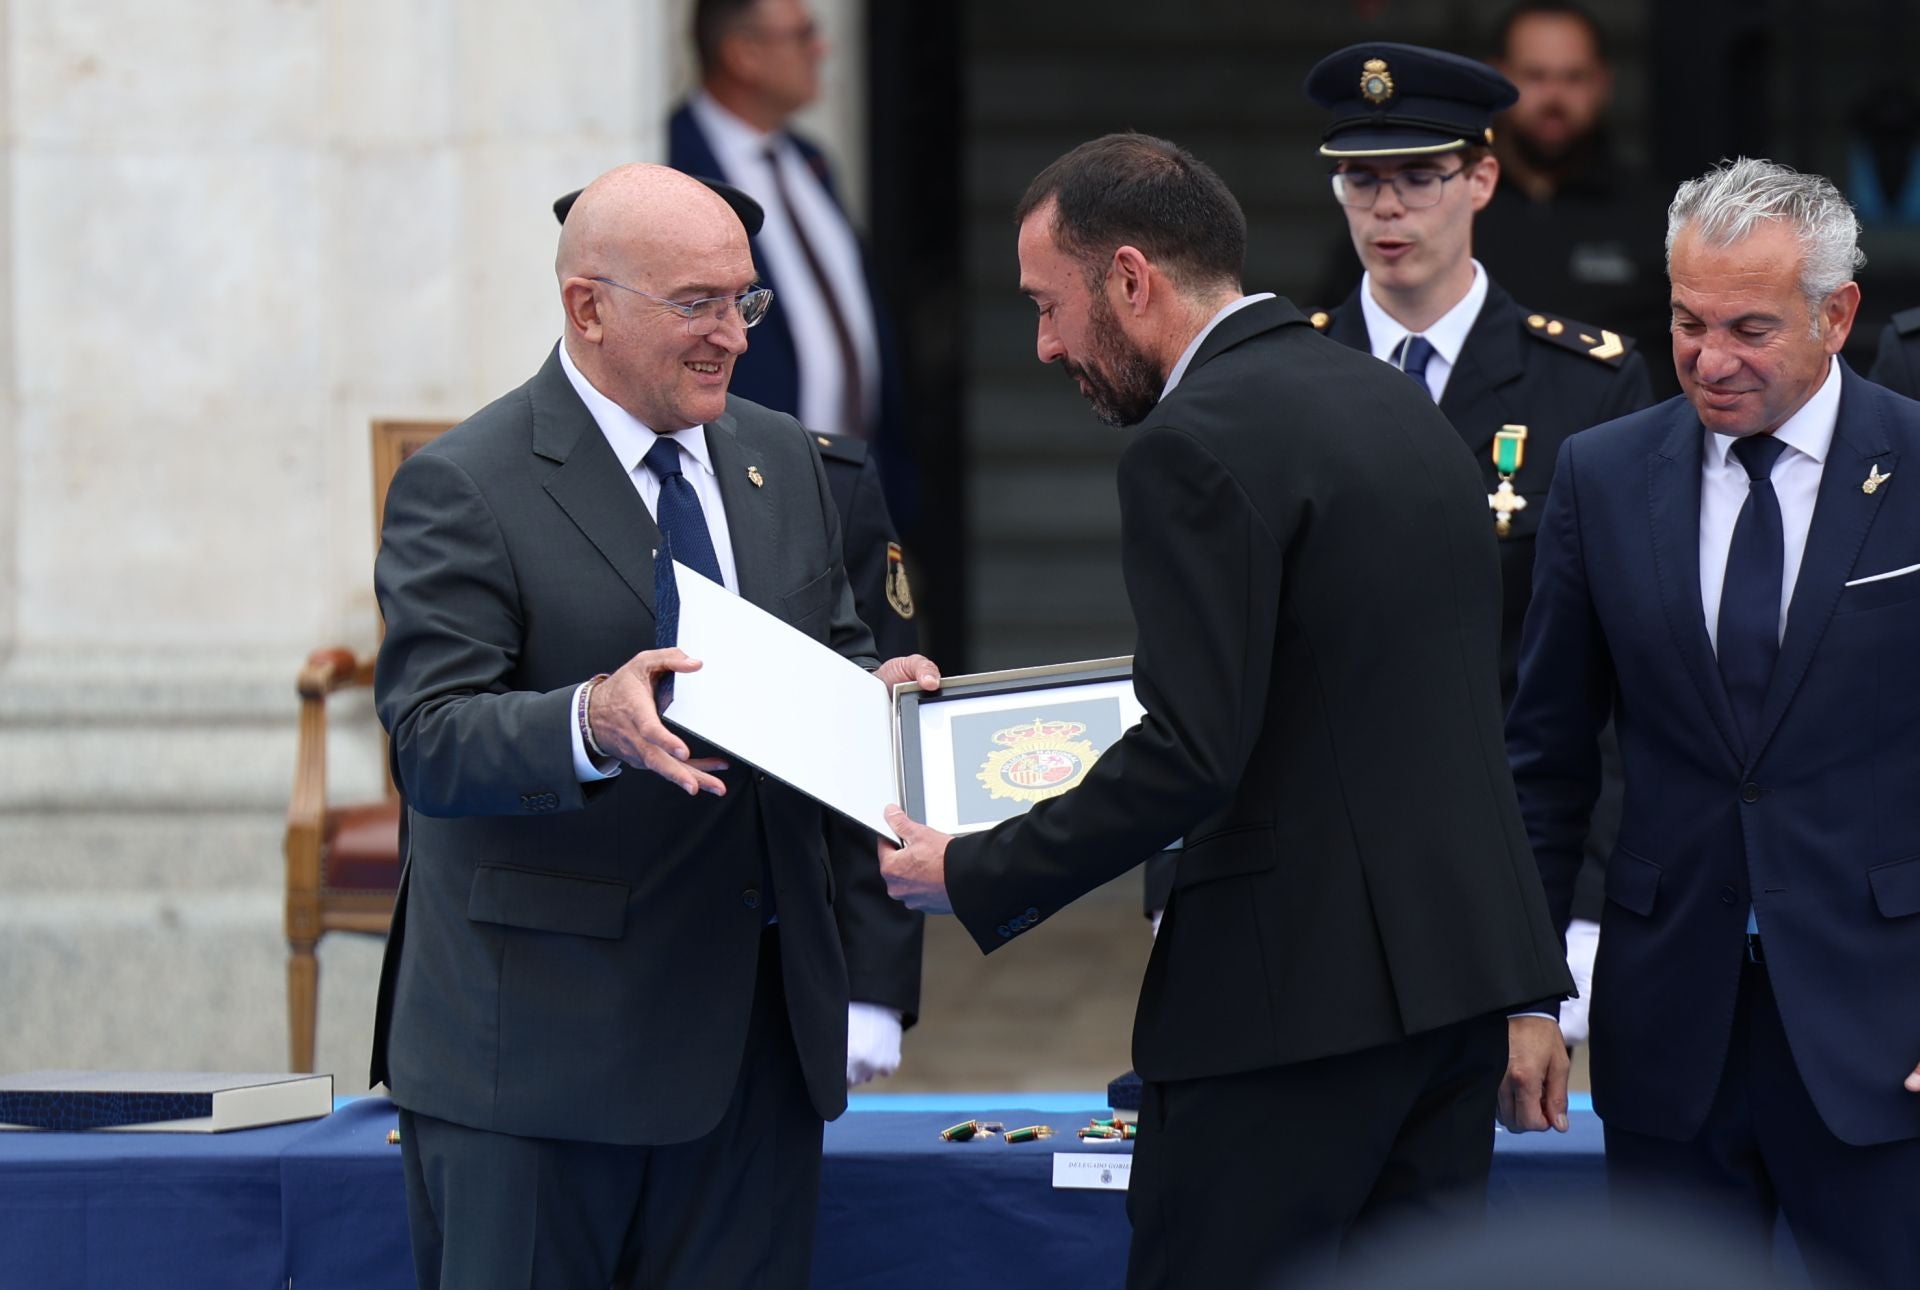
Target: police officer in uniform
x: 1897, y: 364
x: 880, y: 937
x: 1410, y: 136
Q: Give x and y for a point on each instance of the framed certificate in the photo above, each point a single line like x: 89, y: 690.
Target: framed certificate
x: 983, y: 748
x: 979, y: 750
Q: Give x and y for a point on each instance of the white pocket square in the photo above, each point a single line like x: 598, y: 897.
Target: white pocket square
x: 1882, y: 577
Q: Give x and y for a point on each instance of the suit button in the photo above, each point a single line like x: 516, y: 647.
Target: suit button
x: 750, y: 898
x: 1728, y: 895
x: 1749, y: 792
x: 1005, y: 934
x: 1033, y: 916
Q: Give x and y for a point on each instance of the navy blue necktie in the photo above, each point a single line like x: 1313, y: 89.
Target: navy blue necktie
x: 1415, y: 353
x: 678, y: 512
x: 1749, y: 635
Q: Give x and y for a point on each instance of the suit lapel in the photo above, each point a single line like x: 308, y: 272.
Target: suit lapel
x: 1489, y: 360
x: 750, y: 522
x: 1673, y: 502
x: 1842, y: 514
x: 589, y: 483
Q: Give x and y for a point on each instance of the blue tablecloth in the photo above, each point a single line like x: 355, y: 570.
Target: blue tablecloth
x: 322, y: 1203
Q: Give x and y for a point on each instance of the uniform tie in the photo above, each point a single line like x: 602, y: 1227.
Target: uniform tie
x: 1415, y: 353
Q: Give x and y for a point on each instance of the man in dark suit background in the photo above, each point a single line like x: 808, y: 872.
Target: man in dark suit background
x: 1313, y: 577
x: 613, y: 1007
x: 882, y: 940
x: 1735, y: 577
x: 1896, y: 364
x: 825, y: 357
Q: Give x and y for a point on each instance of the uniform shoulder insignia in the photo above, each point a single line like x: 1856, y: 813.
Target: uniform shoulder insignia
x: 1610, y: 347
x: 1907, y: 321
x: 1320, y: 319
x: 838, y: 447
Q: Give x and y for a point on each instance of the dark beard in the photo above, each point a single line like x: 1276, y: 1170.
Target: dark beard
x: 1123, y: 384
x: 1574, y: 156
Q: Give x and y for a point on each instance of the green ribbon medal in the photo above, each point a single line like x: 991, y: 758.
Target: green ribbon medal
x: 1509, y: 450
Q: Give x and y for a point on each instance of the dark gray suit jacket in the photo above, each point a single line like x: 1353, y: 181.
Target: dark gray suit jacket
x: 577, y: 961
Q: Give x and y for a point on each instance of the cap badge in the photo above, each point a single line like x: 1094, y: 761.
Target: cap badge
x: 1376, y: 83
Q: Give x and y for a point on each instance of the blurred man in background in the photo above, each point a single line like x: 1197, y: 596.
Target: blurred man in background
x: 1896, y: 364
x: 1570, y: 221
x: 823, y: 358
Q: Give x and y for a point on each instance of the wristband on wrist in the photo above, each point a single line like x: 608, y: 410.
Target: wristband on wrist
x: 586, y: 722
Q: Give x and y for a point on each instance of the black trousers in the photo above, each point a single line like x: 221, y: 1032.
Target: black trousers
x: 1764, y: 1151
x: 1280, y: 1176
x: 490, y: 1211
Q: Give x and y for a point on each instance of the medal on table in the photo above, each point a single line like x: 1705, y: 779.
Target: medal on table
x: 1509, y: 450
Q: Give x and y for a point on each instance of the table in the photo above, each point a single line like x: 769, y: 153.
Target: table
x: 320, y: 1205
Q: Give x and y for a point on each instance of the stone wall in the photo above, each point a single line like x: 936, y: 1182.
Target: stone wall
x: 236, y: 231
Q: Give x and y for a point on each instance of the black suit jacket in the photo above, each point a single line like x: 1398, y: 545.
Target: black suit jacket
x: 1521, y: 367
x: 577, y: 961
x: 1896, y: 364
x: 769, y: 372
x: 1312, y: 574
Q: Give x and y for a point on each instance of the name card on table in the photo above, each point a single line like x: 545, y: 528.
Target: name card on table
x: 1092, y: 1170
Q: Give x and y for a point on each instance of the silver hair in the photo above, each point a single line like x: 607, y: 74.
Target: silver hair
x: 1725, y: 204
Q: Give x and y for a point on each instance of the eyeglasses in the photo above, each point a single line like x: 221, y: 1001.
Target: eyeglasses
x: 1416, y: 189
x: 705, y: 315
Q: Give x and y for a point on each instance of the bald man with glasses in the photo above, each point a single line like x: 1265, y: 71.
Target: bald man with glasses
x: 613, y: 1008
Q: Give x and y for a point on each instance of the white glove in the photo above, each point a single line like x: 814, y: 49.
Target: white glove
x: 1583, y: 942
x: 873, y: 1043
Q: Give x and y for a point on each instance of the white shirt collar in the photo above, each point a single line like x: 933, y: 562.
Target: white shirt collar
x: 733, y: 139
x: 1448, y: 335
x: 1193, y: 346
x: 1810, y: 430
x: 629, y: 436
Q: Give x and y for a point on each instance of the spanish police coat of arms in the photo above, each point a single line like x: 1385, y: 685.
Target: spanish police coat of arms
x: 1038, y: 759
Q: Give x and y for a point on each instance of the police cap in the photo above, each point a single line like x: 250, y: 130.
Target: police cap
x: 1393, y: 100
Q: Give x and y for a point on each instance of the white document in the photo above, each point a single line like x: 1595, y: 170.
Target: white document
x: 774, y: 697
x: 1092, y: 1171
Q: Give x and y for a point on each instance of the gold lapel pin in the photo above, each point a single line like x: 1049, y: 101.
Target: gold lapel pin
x: 1871, y: 484
x: 754, y: 476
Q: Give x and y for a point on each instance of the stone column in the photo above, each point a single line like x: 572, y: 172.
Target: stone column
x: 235, y: 232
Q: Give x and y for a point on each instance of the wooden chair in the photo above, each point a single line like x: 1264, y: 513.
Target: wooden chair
x: 343, y: 862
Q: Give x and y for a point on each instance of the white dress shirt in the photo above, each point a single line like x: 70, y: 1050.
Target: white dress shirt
x: 741, y: 150
x: 1808, y: 434
x: 1448, y: 335
x: 631, y: 440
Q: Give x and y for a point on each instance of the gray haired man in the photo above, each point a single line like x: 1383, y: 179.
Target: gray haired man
x: 1734, y: 576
